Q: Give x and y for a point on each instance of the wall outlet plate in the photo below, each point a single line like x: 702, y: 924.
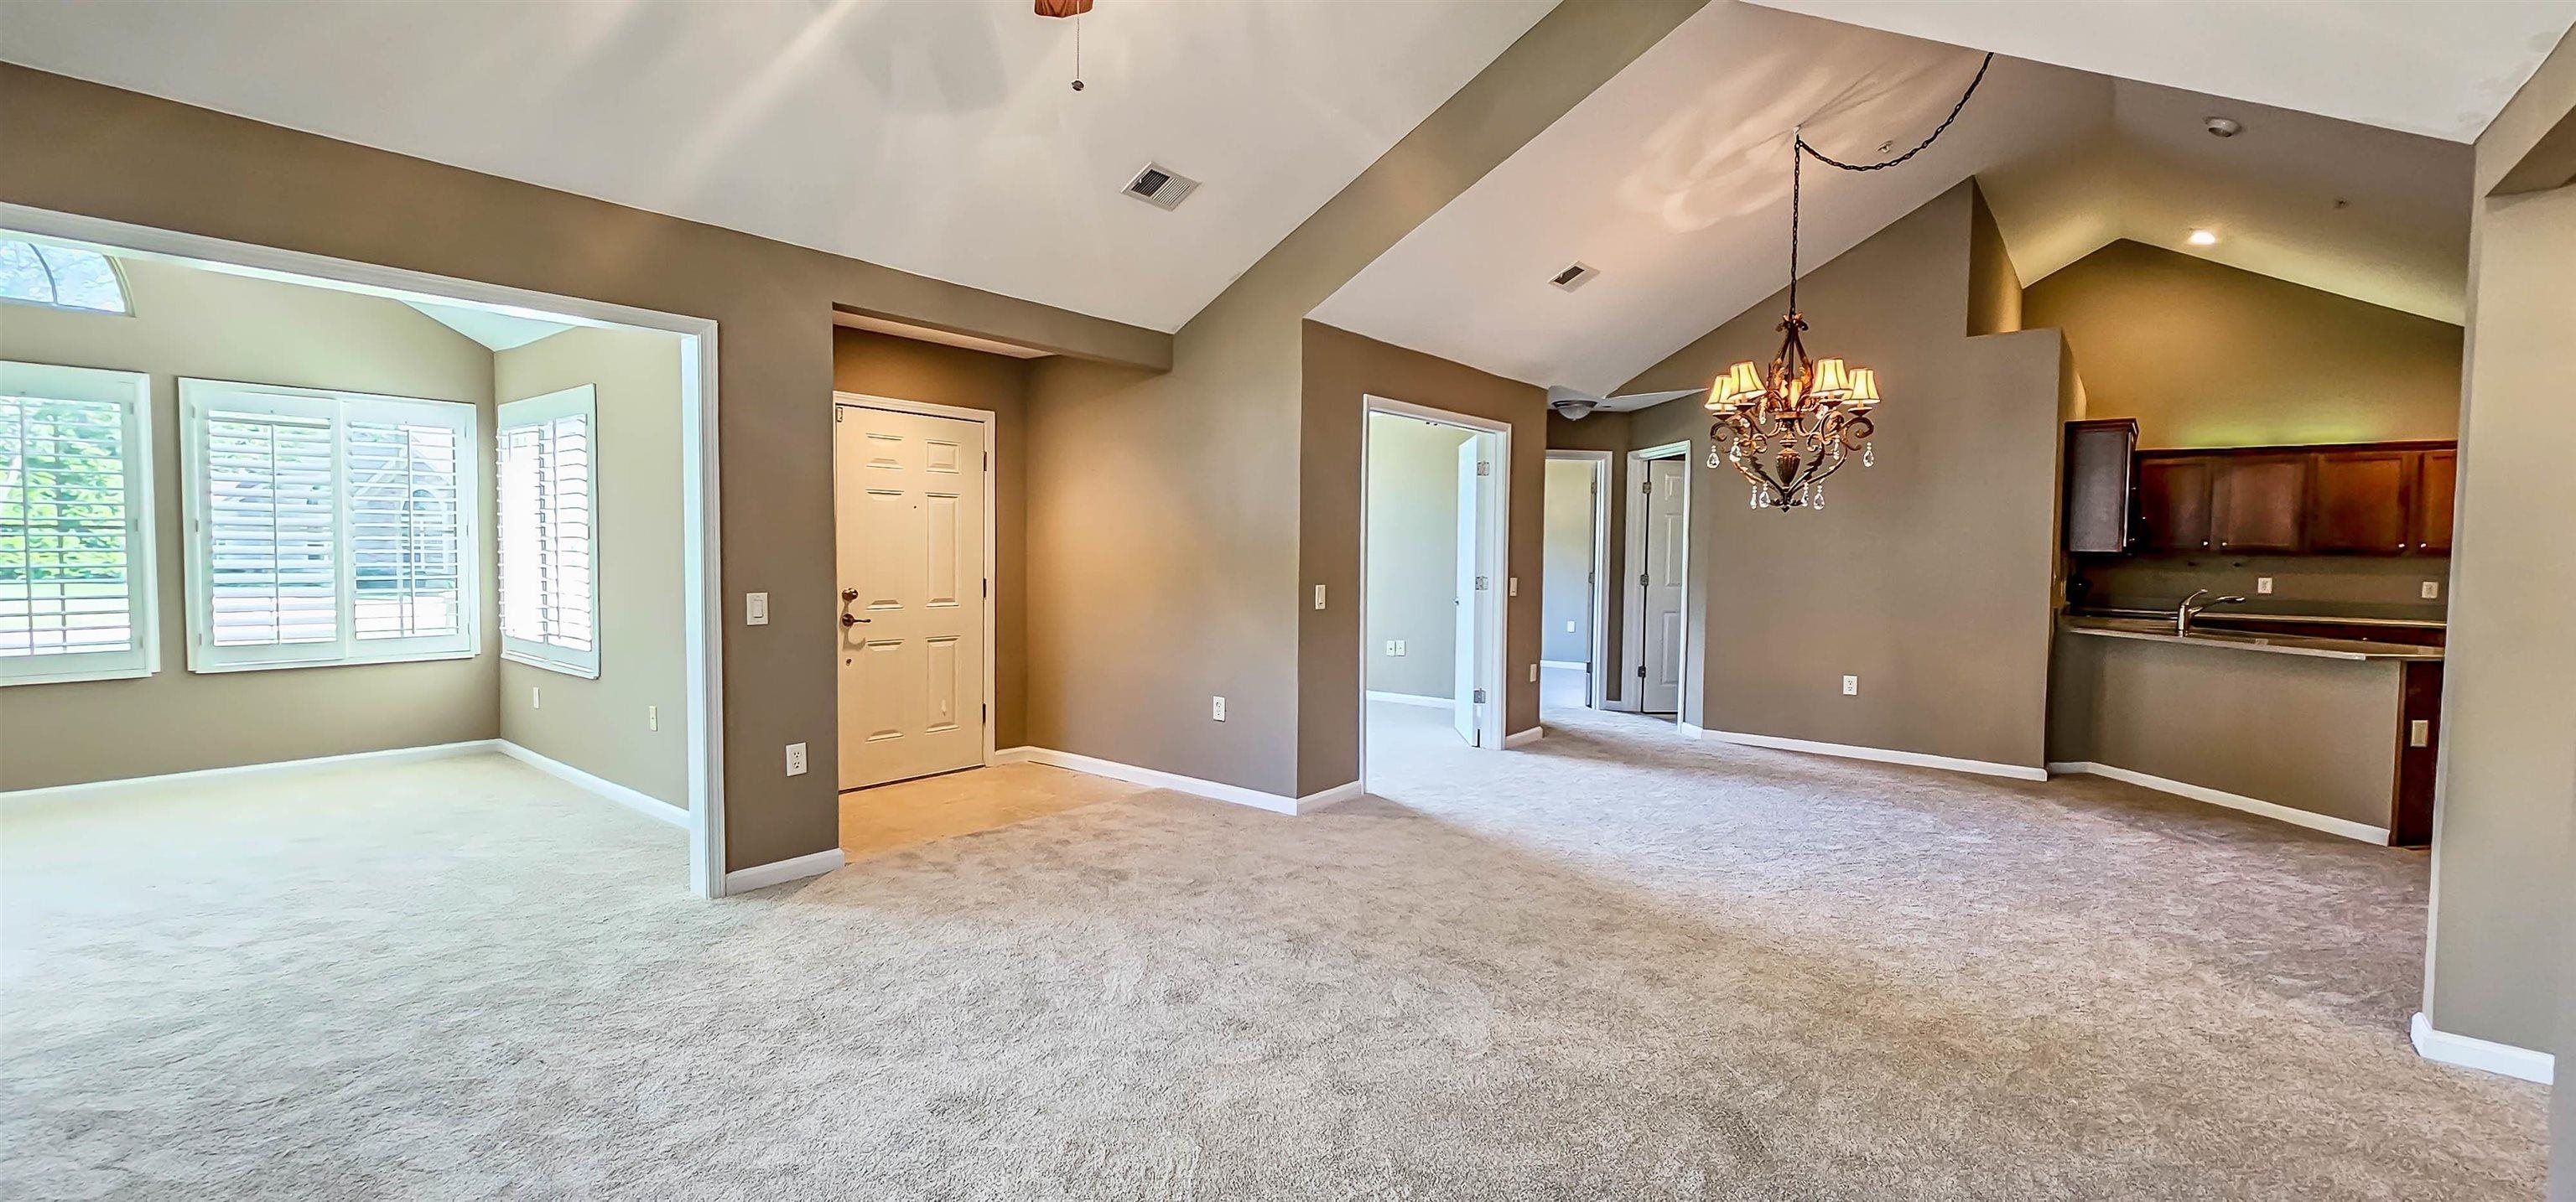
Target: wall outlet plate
x: 652, y: 717
x: 796, y: 759
x: 1533, y: 673
x: 1217, y: 711
x: 1851, y: 686
x: 755, y: 609
x: 2262, y: 584
x: 536, y: 697
x: 2432, y: 590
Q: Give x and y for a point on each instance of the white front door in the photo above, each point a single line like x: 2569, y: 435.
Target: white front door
x: 909, y: 495
x: 1474, y: 576
x: 1661, y: 687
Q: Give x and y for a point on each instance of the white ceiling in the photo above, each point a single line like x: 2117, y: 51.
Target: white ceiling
x: 2400, y: 237
x: 496, y: 331
x: 1673, y: 179
x: 939, y: 138
x: 2443, y: 68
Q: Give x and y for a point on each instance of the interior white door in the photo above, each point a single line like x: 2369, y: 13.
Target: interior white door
x: 909, y: 495
x: 1473, y: 578
x: 1666, y: 510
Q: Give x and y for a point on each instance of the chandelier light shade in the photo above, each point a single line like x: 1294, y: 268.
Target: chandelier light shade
x: 1785, y: 428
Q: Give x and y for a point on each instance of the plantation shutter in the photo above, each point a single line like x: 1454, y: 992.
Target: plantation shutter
x: 328, y: 528
x: 549, y: 564
x: 76, y: 597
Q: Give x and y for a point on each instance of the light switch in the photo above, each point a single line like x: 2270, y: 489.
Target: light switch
x: 1319, y: 596
x: 1533, y: 673
x: 755, y: 609
x: 652, y: 717
x: 536, y: 698
x: 1516, y: 586
x: 1569, y: 627
x: 2419, y: 733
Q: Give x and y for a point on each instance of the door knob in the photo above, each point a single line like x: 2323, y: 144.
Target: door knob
x: 847, y: 620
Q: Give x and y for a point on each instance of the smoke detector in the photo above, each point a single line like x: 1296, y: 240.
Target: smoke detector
x: 1575, y: 276
x: 2223, y: 127
x: 1161, y: 187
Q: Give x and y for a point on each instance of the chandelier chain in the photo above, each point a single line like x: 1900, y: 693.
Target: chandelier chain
x: 1800, y: 149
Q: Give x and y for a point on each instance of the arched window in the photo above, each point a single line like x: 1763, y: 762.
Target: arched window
x: 60, y: 277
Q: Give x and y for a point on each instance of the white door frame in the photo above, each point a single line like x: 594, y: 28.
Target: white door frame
x: 1632, y: 635
x: 992, y: 460
x: 1492, y: 674
x: 1597, y: 684
x: 701, y: 530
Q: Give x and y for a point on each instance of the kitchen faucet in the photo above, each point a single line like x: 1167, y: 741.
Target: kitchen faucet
x: 2183, y: 613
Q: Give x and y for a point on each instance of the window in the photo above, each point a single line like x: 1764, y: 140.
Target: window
x: 75, y: 524
x: 326, y: 527
x: 549, y: 561
x: 60, y: 277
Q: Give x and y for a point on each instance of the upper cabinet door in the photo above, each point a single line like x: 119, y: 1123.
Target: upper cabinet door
x: 2437, y: 475
x: 2359, y: 503
x: 2173, y: 504
x: 2101, y: 474
x: 2258, y: 504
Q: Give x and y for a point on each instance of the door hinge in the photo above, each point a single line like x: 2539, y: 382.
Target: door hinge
x: 1484, y: 468
x: 1641, y: 671
x: 837, y: 411
x: 1481, y: 585
x: 988, y: 712
x: 1480, y: 696
x: 1641, y: 580
x: 988, y: 588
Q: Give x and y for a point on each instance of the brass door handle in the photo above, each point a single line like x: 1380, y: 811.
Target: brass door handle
x: 848, y: 595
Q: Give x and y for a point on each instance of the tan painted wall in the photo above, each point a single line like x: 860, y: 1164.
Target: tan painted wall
x: 1929, y: 575
x: 876, y: 364
x: 82, y: 148
x: 1995, y: 299
x: 2312, y: 734
x: 2206, y: 355
x: 2354, y: 586
x: 1341, y: 370
x: 1565, y: 555
x: 1178, y: 522
x: 1412, y: 555
x: 2505, y: 813
x: 599, y: 726
x: 198, y: 323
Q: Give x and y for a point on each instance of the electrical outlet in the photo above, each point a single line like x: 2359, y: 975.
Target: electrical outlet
x: 1217, y: 711
x: 2262, y: 585
x: 652, y: 717
x: 2432, y: 590
x: 1533, y: 673
x: 755, y: 609
x: 1404, y: 646
x: 1319, y: 596
x: 1569, y: 628
x: 1390, y: 646
x: 536, y: 698
x: 796, y: 759
x: 1851, y: 686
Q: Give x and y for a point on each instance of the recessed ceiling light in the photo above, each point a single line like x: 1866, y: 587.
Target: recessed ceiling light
x: 2203, y: 238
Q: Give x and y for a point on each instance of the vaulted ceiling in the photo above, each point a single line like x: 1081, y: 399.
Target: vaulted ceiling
x: 940, y: 138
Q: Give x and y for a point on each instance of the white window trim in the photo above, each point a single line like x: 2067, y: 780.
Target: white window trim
x: 349, y: 651
x: 581, y: 399
x: 133, y: 392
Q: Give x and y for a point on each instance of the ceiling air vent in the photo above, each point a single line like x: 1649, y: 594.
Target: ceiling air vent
x: 1161, y: 187
x: 1575, y: 276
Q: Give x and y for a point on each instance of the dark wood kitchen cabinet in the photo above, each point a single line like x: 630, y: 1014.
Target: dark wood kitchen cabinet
x: 2101, y: 481
x: 2359, y: 502
x: 2437, y: 476
x: 2173, y: 504
x: 2258, y: 505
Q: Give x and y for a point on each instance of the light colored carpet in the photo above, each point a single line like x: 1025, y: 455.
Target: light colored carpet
x: 1616, y: 965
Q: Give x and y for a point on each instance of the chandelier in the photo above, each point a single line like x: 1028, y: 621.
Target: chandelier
x: 1786, y: 428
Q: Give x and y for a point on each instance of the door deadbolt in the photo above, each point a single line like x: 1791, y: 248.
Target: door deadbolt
x: 847, y: 619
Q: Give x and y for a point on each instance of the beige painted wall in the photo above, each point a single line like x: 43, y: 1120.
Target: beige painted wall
x: 81, y: 148
x: 1565, y: 563
x: 2311, y: 734
x: 876, y: 364
x: 2206, y: 355
x: 600, y: 726
x: 1341, y: 370
x: 1177, y: 523
x: 2505, y: 813
x: 197, y: 323
x: 1928, y: 576
x: 1412, y: 555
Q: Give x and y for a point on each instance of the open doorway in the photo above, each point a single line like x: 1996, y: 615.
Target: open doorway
x: 1656, y: 632
x: 1574, y: 581
x: 1433, y: 517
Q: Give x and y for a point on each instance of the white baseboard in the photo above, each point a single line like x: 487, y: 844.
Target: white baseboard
x: 1523, y: 738
x: 762, y: 876
x: 1910, y: 759
x: 390, y: 755
x: 1575, y: 664
x: 633, y: 799
x: 2469, y: 1052
x: 1446, y: 703
x: 2345, y: 827
x: 1159, y: 779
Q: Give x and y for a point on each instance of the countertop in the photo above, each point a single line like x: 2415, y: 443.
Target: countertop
x: 2160, y: 630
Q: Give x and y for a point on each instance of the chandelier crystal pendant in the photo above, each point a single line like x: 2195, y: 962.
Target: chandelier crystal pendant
x: 1787, y: 427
